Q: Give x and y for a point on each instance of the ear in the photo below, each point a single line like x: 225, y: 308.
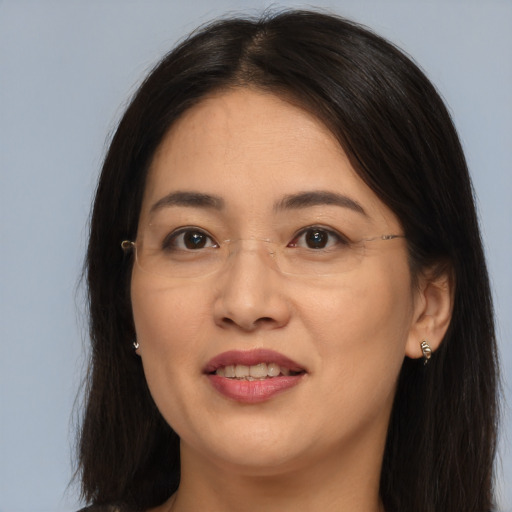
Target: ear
x: 433, y: 306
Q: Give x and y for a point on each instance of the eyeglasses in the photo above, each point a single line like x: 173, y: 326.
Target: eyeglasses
x: 191, y: 252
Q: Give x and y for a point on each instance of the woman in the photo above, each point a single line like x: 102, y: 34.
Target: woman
x: 289, y: 301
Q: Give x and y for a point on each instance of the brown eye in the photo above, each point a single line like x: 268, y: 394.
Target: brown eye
x: 187, y: 240
x: 318, y: 238
x: 194, y: 239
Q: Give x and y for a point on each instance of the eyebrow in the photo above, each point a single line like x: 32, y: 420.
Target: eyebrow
x: 318, y: 198
x: 189, y: 199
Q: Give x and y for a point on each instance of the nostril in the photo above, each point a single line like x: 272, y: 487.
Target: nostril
x: 249, y: 325
x: 264, y: 320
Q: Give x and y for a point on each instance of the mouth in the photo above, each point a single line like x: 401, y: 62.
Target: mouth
x: 253, y: 376
x: 260, y: 371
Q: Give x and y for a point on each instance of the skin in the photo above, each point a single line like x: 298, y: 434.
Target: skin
x: 318, y: 445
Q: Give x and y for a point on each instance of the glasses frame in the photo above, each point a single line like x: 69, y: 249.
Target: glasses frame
x: 131, y: 246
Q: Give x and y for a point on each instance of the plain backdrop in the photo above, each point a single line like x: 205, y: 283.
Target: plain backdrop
x: 67, y: 69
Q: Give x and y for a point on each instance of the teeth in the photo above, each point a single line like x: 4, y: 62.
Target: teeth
x: 241, y: 371
x: 229, y: 371
x: 273, y: 370
x: 258, y: 371
x: 250, y: 373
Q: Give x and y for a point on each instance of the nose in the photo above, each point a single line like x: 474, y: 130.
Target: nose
x: 251, y: 294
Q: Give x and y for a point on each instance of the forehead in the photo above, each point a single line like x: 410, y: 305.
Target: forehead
x: 251, y: 148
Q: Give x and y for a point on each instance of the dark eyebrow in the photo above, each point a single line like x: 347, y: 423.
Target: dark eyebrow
x: 189, y: 199
x: 317, y: 198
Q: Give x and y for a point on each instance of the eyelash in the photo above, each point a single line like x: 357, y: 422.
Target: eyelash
x: 339, y: 238
x: 170, y: 241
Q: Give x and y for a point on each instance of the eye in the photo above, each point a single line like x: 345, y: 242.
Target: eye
x: 315, y: 237
x: 188, y: 239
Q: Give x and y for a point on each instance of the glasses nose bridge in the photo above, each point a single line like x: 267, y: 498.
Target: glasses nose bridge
x: 263, y: 247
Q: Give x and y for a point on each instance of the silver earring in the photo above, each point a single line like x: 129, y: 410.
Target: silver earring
x: 427, y: 351
x: 135, y: 345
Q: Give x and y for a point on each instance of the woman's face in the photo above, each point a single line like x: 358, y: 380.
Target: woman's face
x: 324, y: 347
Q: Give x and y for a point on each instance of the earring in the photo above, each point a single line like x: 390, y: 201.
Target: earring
x: 427, y: 351
x: 135, y: 345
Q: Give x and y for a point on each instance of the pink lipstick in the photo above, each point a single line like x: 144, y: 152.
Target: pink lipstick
x: 253, y: 376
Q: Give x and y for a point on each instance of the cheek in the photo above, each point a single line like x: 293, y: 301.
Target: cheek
x: 360, y: 315
x: 170, y: 325
x: 162, y: 314
x: 360, y: 330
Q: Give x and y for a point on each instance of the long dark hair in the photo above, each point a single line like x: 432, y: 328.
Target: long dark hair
x: 401, y: 141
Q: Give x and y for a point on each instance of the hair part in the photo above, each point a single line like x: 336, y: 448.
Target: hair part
x: 400, y: 140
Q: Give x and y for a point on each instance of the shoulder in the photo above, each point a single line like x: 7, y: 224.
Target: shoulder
x: 102, y: 508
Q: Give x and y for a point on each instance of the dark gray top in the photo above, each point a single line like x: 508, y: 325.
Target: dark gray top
x: 102, y: 508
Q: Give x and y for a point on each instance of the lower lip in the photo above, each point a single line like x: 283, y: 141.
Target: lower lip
x: 255, y: 391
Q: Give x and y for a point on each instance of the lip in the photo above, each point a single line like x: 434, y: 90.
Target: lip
x: 250, y: 358
x: 251, y: 392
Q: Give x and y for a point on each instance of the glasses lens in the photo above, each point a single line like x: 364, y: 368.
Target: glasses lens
x: 192, y: 254
x: 323, y: 261
x: 179, y: 263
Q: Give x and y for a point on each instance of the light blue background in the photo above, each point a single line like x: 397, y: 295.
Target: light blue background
x: 66, y: 70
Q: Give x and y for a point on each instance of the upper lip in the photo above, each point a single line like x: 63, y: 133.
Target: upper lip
x: 250, y: 358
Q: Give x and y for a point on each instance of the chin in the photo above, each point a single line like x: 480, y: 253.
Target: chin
x: 257, y: 450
